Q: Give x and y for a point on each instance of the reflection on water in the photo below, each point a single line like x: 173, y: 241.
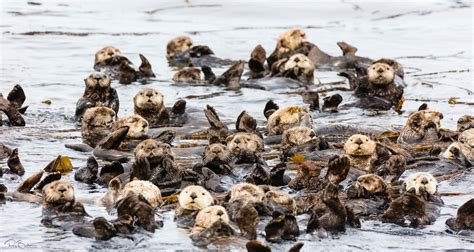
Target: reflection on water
x: 49, y: 49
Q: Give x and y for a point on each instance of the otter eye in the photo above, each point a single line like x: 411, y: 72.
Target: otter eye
x: 366, y: 140
x: 202, y: 193
x: 414, y: 179
x: 143, y: 147
x: 386, y: 68
x: 373, y: 68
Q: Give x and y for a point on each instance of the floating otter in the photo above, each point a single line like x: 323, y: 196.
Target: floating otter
x: 422, y: 127
x: 191, y: 200
x: 59, y: 199
x: 148, y: 190
x: 421, y: 180
x: 149, y: 104
x: 154, y: 151
x: 287, y: 117
x: 465, y: 122
x: 297, y: 67
x: 211, y: 223
x: 281, y: 227
x: 464, y: 146
x: 189, y: 75
x: 89, y: 173
x: 246, y: 147
x: 98, y: 93
x: 111, y: 61
x: 368, y: 196
x: 96, y: 124
x: 12, y: 106
x: 301, y: 139
x: 216, y: 157
x: 277, y: 200
x: 137, y: 129
x: 361, y: 150
x: 464, y: 219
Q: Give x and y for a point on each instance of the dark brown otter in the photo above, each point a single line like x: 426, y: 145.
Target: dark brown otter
x: 98, y: 93
x: 231, y: 77
x: 12, y: 106
x: 281, y: 227
x: 257, y: 63
x: 89, y: 173
x: 464, y: 219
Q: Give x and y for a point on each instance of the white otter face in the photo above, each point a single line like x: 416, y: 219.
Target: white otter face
x: 381, y: 74
x: 421, y: 180
x: 97, y: 80
x: 178, y: 45
x: 245, y: 143
x: 195, y: 198
x: 138, y: 126
x: 210, y: 215
x: 359, y: 145
x: 216, y: 152
x: 151, y: 148
x: 299, y: 64
x: 99, y: 117
x: 292, y: 39
x: 288, y: 117
x: 59, y: 191
x: 246, y: 191
x: 149, y: 98
x: 298, y: 136
x: 106, y: 53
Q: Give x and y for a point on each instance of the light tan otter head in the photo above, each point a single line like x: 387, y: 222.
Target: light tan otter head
x: 209, y: 215
x: 298, y: 136
x: 248, y: 192
x: 195, y: 197
x: 422, y: 127
x: 421, y: 180
x: 216, y: 152
x: 58, y: 192
x: 464, y: 145
x: 467, y: 138
x: 149, y: 99
x: 300, y: 65
x: 151, y: 149
x: 288, y: 117
x: 380, y: 74
x: 291, y: 39
x: 178, y: 45
x: 189, y: 74
x: 465, y: 122
x: 280, y: 201
x: 97, y: 80
x: 244, y: 143
x: 137, y: 125
x: 372, y: 183
x: 359, y: 145
x: 98, y: 117
x: 147, y: 189
x: 106, y: 53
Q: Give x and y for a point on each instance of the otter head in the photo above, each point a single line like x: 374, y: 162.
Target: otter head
x: 106, y: 53
x: 299, y: 67
x: 467, y: 138
x: 366, y: 185
x: 298, y: 136
x: 178, y: 45
x: 189, y: 74
x: 195, y: 197
x: 421, y: 180
x: 359, y: 145
x: 150, y: 192
x: 210, y: 215
x: 422, y: 127
x: 288, y: 117
x: 465, y: 122
x: 243, y: 143
x: 152, y: 150
x: 137, y: 125
x: 98, y: 118
x: 97, y: 80
x: 58, y: 192
x: 279, y: 201
x: 381, y: 74
x: 216, y: 152
x: 248, y: 192
x: 291, y: 39
x: 149, y: 99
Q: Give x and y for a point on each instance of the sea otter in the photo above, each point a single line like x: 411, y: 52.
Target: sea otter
x: 211, y: 223
x: 284, y: 118
x: 245, y: 147
x: 422, y: 127
x: 12, y: 106
x: 191, y: 200
x: 96, y: 124
x: 59, y: 199
x: 98, y: 93
x: 464, y: 219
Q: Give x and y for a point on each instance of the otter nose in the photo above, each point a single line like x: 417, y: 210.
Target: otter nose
x: 424, y: 181
x: 297, y: 60
x: 220, y: 213
x: 110, y: 53
x: 359, y: 141
x: 380, y: 70
x: 430, y: 125
x: 149, y: 94
x: 193, y: 195
x: 216, y: 150
x: 62, y: 189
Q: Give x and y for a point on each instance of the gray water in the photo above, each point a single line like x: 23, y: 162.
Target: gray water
x: 427, y: 37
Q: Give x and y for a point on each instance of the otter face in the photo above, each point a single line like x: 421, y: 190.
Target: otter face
x: 359, y: 145
x: 465, y: 122
x: 189, y: 74
x: 372, y: 183
x: 97, y: 80
x: 249, y: 192
x: 292, y: 39
x: 288, y: 117
x: 300, y: 65
x: 381, y: 74
x: 178, y: 45
x: 149, y: 99
x: 210, y: 215
x: 421, y: 180
x: 298, y: 136
x: 279, y: 201
x: 152, y: 149
x: 98, y: 117
x: 422, y: 127
x: 216, y: 152
x: 138, y: 126
x: 245, y: 143
x: 106, y: 53
x: 195, y: 198
x: 59, y: 191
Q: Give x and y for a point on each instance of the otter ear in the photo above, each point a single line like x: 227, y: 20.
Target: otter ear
x: 215, y: 139
x: 423, y: 106
x: 440, y: 115
x: 114, y: 184
x: 270, y: 108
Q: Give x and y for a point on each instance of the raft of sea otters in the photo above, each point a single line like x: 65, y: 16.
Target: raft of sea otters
x: 253, y: 176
